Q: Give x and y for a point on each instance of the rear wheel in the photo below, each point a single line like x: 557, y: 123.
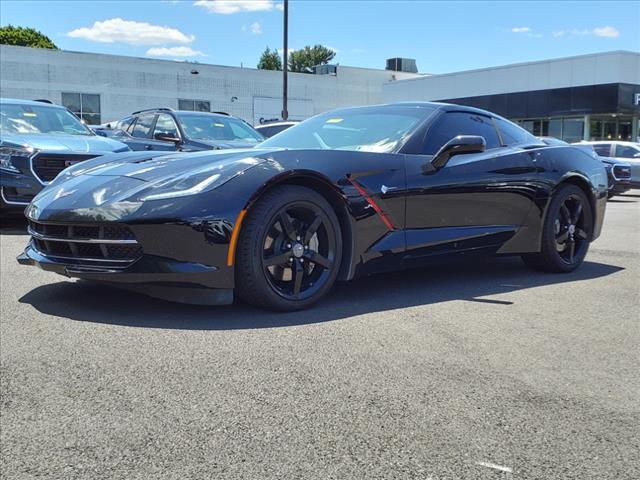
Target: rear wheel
x: 566, y: 232
x: 289, y: 251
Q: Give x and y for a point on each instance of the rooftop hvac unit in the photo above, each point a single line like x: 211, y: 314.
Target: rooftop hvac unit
x: 402, y: 65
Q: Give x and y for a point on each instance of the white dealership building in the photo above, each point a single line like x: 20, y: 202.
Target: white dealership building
x: 594, y: 96
x: 102, y: 88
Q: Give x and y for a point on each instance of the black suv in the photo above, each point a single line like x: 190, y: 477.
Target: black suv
x: 186, y: 131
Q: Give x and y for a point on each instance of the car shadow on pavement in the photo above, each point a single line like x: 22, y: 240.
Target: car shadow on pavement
x: 88, y: 302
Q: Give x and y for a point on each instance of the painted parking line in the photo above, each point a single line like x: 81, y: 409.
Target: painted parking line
x: 495, y: 466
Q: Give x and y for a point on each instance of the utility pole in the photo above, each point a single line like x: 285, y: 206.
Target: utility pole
x: 285, y: 61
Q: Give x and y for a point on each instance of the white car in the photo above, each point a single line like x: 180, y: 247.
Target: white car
x: 627, y: 151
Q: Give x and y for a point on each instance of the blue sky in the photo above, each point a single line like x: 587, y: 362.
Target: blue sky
x: 441, y: 36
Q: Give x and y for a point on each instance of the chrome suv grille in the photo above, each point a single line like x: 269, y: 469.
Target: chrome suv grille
x: 622, y: 172
x: 89, y: 245
x: 47, y: 166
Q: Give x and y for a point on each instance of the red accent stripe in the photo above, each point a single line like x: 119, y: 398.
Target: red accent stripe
x: 385, y: 218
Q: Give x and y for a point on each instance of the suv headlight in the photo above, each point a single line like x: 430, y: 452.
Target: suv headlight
x: 8, y: 154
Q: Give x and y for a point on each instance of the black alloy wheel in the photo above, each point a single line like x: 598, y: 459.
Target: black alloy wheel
x: 290, y: 250
x: 569, y: 229
x: 298, y: 252
x: 566, y: 233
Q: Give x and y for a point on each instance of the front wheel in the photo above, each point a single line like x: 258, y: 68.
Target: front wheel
x: 289, y: 251
x: 566, y: 233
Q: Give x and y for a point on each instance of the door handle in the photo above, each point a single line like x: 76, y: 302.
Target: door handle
x: 148, y: 147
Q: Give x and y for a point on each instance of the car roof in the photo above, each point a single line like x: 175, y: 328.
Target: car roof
x: 447, y: 107
x: 181, y: 112
x: 33, y: 103
x: 612, y: 142
x: 192, y: 112
x: 274, y: 124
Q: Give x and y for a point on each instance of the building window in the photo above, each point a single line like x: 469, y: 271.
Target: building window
x: 611, y: 127
x: 565, y: 128
x: 84, y: 105
x: 194, y: 105
x: 572, y: 129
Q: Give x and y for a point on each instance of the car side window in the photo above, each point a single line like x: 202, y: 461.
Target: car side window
x: 124, y: 124
x: 512, y: 134
x: 142, y: 126
x: 267, y: 131
x: 624, y: 151
x: 603, y: 149
x: 271, y: 131
x: 166, y: 125
x: 452, y: 124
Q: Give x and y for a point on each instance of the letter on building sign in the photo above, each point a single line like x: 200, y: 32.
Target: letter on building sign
x: 636, y: 99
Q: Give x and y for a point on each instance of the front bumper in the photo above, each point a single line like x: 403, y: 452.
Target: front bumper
x: 173, y: 280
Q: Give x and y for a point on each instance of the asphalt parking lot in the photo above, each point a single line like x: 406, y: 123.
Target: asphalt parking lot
x: 485, y: 370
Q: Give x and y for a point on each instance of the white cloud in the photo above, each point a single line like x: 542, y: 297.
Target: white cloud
x: 227, y: 7
x: 280, y: 6
x: 526, y: 31
x: 255, y: 28
x: 174, y: 52
x: 117, y: 30
x: 607, y: 31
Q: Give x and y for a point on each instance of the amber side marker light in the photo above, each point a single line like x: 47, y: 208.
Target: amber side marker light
x: 234, y: 238
x: 385, y: 218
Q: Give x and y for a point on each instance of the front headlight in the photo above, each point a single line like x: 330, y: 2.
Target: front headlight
x: 9, y: 154
x: 194, y: 182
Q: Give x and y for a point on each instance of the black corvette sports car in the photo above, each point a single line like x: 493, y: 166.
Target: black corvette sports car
x: 346, y: 193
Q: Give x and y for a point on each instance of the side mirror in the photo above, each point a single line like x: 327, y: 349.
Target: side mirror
x: 457, y: 146
x: 166, y: 137
x: 637, y: 155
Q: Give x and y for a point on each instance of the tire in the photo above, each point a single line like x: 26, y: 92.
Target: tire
x: 289, y: 250
x: 566, y: 233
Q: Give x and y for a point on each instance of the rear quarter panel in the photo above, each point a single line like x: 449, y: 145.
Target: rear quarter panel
x: 561, y: 164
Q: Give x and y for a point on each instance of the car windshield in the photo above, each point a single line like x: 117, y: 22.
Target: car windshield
x: 35, y: 119
x: 367, y: 130
x: 217, y: 127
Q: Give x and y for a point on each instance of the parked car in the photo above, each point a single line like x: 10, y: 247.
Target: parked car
x: 270, y: 129
x: 105, y: 129
x: 347, y: 193
x: 186, y: 131
x: 618, y: 172
x: 37, y: 141
x: 628, y: 152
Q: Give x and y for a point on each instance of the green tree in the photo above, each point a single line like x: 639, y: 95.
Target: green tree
x: 305, y: 59
x: 25, y: 37
x: 270, y: 60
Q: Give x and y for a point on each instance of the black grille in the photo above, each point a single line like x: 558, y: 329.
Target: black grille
x: 89, y: 245
x: 14, y: 195
x: 622, y: 172
x: 48, y: 165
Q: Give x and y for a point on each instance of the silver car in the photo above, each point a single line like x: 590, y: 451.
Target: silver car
x: 626, y: 151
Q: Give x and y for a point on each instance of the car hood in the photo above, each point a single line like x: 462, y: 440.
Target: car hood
x: 66, y: 143
x: 614, y: 161
x: 114, y: 186
x: 158, y: 166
